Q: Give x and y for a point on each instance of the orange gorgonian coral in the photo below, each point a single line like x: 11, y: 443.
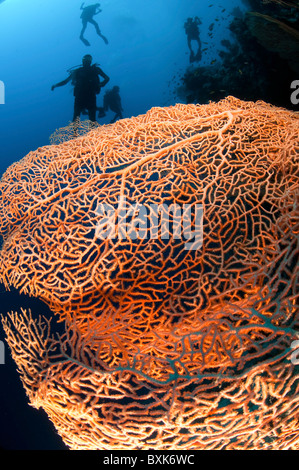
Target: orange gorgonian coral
x: 153, y: 345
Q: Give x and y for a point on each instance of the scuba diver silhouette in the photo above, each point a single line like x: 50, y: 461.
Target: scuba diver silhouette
x: 112, y: 101
x: 87, y: 17
x: 86, y: 86
x: 192, y: 31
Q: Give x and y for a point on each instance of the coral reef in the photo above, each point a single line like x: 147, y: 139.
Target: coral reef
x: 259, y: 62
x: 71, y: 131
x: 276, y: 36
x: 287, y: 3
x: 152, y: 345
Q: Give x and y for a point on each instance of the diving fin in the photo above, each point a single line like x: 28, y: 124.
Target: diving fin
x: 87, y: 43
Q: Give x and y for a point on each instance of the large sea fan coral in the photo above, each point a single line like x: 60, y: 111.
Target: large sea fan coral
x: 160, y: 346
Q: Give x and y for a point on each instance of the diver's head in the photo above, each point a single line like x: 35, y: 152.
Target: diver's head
x: 87, y: 59
x: 115, y: 88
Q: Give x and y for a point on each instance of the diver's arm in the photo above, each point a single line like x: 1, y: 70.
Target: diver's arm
x: 104, y: 76
x: 64, y: 82
x: 81, y: 7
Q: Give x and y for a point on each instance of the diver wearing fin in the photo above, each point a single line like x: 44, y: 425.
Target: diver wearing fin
x: 86, y: 86
x: 87, y: 17
x: 192, y: 32
x: 112, y: 101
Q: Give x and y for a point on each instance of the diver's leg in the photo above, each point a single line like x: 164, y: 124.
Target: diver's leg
x: 191, y: 58
x: 96, y: 26
x: 101, y: 112
x: 76, y: 117
x: 92, y: 114
x: 84, y: 25
x: 77, y: 111
x: 99, y: 31
x: 198, y: 54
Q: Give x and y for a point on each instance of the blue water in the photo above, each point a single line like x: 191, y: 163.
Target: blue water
x: 147, y: 47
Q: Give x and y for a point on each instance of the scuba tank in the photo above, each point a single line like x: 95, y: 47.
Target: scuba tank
x: 93, y: 80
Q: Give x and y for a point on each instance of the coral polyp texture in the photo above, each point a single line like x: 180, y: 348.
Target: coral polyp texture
x: 156, y: 341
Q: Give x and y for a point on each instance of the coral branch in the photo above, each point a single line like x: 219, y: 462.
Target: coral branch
x: 156, y: 345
